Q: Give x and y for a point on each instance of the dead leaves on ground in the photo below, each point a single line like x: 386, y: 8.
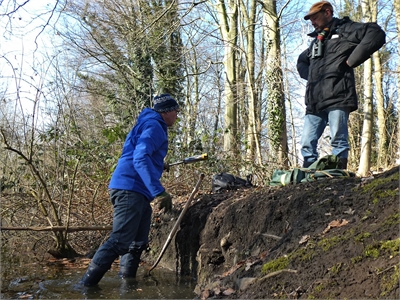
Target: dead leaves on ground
x: 335, y: 223
x: 217, y: 291
x: 332, y: 224
x: 304, y: 239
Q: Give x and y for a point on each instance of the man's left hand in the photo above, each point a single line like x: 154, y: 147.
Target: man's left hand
x: 164, y: 201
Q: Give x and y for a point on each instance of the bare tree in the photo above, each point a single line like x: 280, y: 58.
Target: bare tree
x: 274, y: 75
x: 247, y: 33
x: 397, y: 13
x: 26, y: 143
x: 367, y: 134
x: 228, y: 17
x: 380, y: 101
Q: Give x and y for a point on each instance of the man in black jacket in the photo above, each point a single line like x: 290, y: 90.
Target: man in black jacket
x: 339, y: 45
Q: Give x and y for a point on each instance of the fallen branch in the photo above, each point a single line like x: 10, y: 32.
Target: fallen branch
x: 277, y: 273
x: 59, y: 228
x: 275, y: 237
x: 387, y: 269
x: 272, y: 236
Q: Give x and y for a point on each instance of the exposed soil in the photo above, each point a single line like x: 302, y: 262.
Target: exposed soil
x: 332, y: 238
x: 337, y: 238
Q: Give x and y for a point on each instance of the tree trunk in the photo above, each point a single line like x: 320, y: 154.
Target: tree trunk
x: 276, y: 98
x: 248, y: 27
x: 228, y: 28
x: 380, y: 100
x: 397, y: 12
x: 366, y: 138
x: 192, y: 101
x: 380, y: 106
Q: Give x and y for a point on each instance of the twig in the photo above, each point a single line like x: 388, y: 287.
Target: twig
x: 383, y: 271
x: 277, y: 273
x: 275, y: 237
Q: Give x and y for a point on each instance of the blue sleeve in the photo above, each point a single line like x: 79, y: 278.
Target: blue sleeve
x: 148, y: 158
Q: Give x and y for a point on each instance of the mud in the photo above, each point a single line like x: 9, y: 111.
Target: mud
x: 332, y: 238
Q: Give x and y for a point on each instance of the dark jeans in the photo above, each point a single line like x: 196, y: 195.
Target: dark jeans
x: 131, y: 226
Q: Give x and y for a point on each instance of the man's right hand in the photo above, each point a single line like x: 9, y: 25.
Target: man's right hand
x: 164, y: 200
x: 166, y: 166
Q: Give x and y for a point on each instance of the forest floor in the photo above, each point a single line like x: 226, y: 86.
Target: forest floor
x: 336, y: 238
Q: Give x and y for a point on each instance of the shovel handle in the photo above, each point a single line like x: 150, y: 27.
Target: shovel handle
x: 190, y: 160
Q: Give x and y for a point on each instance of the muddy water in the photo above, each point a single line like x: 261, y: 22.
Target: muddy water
x: 23, y: 278
x: 161, y: 284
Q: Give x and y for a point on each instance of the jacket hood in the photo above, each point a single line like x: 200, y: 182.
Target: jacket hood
x: 149, y: 113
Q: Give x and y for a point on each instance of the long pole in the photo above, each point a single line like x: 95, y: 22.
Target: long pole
x: 175, y: 228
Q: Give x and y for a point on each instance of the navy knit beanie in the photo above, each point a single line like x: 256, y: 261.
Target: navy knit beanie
x: 165, y: 103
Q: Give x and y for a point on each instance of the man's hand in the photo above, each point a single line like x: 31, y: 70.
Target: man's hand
x: 164, y: 200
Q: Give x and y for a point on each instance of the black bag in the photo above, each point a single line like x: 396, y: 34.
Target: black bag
x: 225, y: 181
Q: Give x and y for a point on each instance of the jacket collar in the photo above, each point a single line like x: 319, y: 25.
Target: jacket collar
x: 331, y: 25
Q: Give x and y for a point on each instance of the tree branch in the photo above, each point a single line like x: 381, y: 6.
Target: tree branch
x: 58, y: 228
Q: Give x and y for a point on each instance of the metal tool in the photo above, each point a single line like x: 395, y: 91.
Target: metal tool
x: 175, y: 228
x: 192, y: 159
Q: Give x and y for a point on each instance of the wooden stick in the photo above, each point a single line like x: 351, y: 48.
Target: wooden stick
x: 175, y: 228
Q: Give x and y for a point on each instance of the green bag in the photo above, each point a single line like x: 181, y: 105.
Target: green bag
x: 285, y: 177
x: 326, y: 167
x: 313, y: 175
x: 327, y: 162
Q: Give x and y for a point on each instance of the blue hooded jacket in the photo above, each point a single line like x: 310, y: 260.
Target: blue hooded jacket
x: 141, y: 164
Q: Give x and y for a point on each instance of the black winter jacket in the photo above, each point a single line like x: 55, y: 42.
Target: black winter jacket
x: 330, y: 81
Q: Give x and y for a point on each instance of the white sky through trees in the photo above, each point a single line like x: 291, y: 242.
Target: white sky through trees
x: 24, y: 43
x: 28, y: 35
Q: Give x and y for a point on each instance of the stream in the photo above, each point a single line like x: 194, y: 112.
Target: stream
x: 24, y: 278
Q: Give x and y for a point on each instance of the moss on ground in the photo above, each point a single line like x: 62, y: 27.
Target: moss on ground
x: 275, y: 265
x: 390, y: 281
x: 362, y: 237
x: 393, y: 219
x: 378, y: 182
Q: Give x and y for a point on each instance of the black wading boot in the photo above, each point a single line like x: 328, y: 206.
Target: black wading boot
x: 306, y: 164
x: 343, y: 162
x: 93, y: 275
x: 130, y: 262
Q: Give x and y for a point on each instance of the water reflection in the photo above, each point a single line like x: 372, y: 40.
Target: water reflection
x: 161, y: 284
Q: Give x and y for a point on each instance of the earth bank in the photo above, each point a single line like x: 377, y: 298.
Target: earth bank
x: 333, y: 238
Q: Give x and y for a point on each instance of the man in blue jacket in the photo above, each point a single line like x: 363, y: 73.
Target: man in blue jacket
x: 134, y: 184
x: 339, y: 45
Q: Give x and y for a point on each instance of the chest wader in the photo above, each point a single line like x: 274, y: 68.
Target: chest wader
x: 128, y: 268
x: 93, y: 275
x: 343, y: 161
x: 130, y: 262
